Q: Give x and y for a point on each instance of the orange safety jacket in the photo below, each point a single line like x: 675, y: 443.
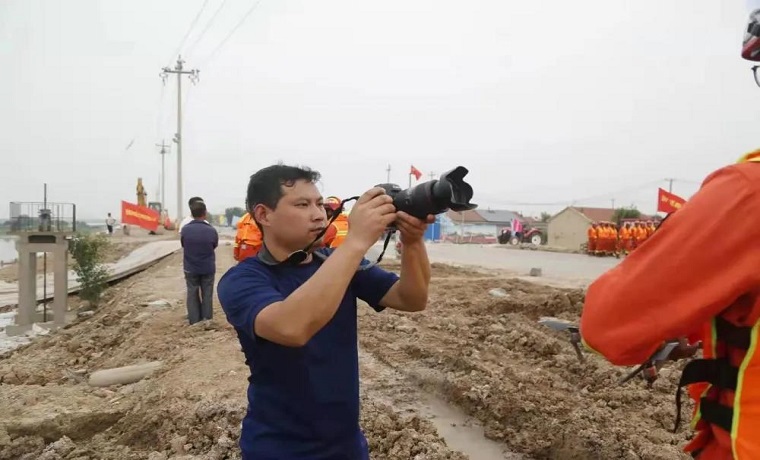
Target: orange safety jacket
x: 248, y: 239
x: 341, y: 230
x: 685, y: 283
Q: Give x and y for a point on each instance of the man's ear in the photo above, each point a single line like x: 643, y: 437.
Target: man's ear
x: 261, y: 214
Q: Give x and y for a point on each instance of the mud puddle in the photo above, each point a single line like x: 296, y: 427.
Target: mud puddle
x: 461, y: 432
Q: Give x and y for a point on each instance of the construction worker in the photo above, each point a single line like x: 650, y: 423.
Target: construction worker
x: 248, y: 239
x: 650, y: 228
x: 639, y: 234
x: 338, y: 230
x: 685, y: 282
x: 614, y: 239
x: 593, y: 236
x: 624, y: 245
x: 607, y: 236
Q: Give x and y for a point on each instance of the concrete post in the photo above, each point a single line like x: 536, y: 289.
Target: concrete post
x: 61, y: 281
x: 27, y: 285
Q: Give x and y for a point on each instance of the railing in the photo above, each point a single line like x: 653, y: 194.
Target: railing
x: 42, y: 217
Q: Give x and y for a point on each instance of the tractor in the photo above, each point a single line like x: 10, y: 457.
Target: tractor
x: 532, y: 235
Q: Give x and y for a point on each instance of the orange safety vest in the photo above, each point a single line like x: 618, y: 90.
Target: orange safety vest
x: 592, y: 234
x: 341, y: 226
x: 725, y: 383
x: 248, y: 239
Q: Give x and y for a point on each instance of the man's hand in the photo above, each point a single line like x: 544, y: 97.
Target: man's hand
x: 411, y: 228
x: 684, y: 350
x: 370, y: 216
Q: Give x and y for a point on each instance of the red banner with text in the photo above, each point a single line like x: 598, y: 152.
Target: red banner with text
x: 668, y: 202
x: 141, y: 216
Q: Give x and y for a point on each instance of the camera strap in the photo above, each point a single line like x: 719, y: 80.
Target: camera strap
x: 299, y: 256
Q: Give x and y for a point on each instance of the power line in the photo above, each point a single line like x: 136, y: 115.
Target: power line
x: 190, y: 29
x: 234, y: 29
x: 205, y: 29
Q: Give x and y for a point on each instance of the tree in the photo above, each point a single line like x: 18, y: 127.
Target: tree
x: 545, y: 216
x: 625, y: 213
x: 88, y: 253
x: 229, y: 213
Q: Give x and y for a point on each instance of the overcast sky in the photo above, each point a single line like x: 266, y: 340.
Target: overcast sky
x: 544, y: 102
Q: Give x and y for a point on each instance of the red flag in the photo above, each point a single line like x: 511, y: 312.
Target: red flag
x: 140, y: 216
x: 668, y: 202
x: 416, y: 172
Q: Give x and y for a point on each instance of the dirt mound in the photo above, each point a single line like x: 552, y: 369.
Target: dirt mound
x: 394, y: 436
x: 488, y: 355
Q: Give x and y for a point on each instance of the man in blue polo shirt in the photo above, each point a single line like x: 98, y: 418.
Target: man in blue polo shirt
x: 296, y: 317
x: 199, y: 241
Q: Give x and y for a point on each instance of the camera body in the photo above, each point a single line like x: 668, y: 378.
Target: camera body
x: 450, y: 191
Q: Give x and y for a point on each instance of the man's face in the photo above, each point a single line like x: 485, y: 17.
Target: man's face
x: 298, y: 217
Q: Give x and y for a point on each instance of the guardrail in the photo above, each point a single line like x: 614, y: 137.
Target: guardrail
x: 37, y: 216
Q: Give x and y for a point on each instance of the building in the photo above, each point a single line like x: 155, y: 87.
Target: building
x: 477, y: 225
x: 568, y: 228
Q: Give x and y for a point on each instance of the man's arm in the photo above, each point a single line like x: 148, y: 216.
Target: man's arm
x: 410, y: 293
x: 688, y: 271
x: 295, y: 320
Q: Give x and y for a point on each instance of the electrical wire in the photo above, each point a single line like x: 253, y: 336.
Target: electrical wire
x: 189, y: 50
x: 234, y: 29
x: 190, y: 29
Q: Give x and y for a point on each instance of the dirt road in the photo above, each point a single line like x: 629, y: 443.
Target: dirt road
x: 555, y: 266
x: 474, y: 377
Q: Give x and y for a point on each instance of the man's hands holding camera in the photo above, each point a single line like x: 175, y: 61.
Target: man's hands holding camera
x: 374, y: 212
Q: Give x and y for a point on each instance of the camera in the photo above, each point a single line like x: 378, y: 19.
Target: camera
x: 450, y: 191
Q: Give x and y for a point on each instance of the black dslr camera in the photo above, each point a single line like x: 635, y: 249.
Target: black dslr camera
x: 435, y: 196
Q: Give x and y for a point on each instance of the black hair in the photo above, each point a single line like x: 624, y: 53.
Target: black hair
x: 265, y: 186
x: 194, y: 199
x: 198, y: 209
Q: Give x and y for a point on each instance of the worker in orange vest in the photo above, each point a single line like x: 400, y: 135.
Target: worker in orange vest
x: 624, y: 246
x: 338, y: 229
x: 650, y: 228
x: 687, y: 286
x: 605, y: 239
x: 593, y: 237
x: 248, y: 239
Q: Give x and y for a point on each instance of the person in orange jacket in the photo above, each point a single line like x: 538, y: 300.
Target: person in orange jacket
x: 593, y: 237
x: 248, y: 239
x: 685, y: 283
x: 625, y: 239
x: 603, y: 237
x: 337, y: 231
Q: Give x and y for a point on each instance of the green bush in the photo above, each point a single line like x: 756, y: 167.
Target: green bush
x: 88, y: 253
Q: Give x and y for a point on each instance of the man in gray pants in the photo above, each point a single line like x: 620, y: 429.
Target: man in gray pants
x: 199, y: 241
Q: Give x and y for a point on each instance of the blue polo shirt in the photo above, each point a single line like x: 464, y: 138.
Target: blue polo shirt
x: 199, y: 241
x: 303, y: 403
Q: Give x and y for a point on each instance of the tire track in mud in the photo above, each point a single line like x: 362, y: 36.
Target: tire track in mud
x: 522, y: 381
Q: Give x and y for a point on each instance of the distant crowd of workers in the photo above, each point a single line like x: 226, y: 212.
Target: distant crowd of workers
x: 248, y: 239
x: 605, y: 239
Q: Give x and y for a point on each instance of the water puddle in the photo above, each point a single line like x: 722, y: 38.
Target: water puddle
x: 461, y: 432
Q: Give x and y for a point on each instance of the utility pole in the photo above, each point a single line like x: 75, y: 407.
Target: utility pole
x: 388, y: 174
x: 613, y: 203
x: 179, y: 70
x: 432, y: 175
x: 163, y: 153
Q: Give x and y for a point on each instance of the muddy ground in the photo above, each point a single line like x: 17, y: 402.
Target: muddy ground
x: 430, y: 380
